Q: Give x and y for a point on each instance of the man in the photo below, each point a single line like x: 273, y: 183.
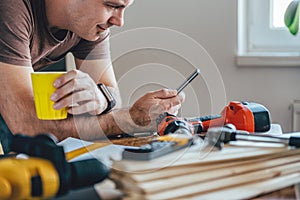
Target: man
x: 37, y: 33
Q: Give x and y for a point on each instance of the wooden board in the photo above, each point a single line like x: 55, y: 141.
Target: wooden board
x: 196, y: 156
x: 212, y: 174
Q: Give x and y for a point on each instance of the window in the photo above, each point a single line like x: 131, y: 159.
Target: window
x: 263, y: 40
x: 278, y: 8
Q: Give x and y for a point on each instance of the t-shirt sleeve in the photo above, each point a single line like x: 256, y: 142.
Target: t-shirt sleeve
x: 88, y: 50
x: 15, y: 33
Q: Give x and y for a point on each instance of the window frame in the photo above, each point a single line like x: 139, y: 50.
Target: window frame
x: 255, y: 50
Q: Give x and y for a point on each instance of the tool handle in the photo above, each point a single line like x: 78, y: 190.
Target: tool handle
x: 294, y: 141
x: 209, y: 117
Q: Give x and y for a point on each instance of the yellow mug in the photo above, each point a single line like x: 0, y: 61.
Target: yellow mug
x: 42, y: 84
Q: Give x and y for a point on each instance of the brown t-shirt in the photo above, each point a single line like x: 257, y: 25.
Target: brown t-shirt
x: 25, y: 38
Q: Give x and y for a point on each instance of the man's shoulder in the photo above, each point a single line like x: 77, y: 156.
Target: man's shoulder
x: 14, y: 3
x: 16, y: 30
x: 14, y: 12
x: 15, y: 7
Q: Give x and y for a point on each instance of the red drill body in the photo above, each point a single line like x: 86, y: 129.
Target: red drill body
x: 251, y: 117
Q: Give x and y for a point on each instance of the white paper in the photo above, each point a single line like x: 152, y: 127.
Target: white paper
x: 105, y: 154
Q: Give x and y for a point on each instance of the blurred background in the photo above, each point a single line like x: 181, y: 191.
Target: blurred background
x: 202, y: 34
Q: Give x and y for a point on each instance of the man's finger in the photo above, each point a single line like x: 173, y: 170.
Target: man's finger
x: 165, y: 93
x: 71, y: 75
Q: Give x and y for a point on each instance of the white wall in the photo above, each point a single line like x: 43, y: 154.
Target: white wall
x: 190, y: 24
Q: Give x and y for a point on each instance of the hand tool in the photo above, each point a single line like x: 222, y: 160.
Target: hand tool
x: 46, y: 173
x: 168, y: 123
x: 251, y: 117
x: 248, y: 116
x: 158, y: 147
x: 218, y: 136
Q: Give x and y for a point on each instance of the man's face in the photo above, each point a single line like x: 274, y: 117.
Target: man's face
x: 93, y: 17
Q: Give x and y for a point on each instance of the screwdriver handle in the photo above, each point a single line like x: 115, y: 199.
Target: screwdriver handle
x: 294, y: 141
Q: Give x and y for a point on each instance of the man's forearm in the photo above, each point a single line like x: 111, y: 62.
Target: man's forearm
x: 99, y: 127
x: 141, y: 117
x: 88, y: 127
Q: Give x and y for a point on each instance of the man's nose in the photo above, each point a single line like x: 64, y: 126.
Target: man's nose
x: 118, y: 18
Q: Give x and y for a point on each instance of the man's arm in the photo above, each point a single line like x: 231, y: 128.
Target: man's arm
x: 18, y: 111
x: 101, y: 71
x: 79, y: 87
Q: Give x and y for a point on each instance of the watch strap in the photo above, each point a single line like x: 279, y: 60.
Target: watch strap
x: 111, y: 102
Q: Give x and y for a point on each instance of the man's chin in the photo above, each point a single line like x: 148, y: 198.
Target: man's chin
x: 91, y: 38
x: 95, y: 37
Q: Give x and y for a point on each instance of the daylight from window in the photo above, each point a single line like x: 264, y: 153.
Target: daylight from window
x: 264, y: 40
x: 278, y: 8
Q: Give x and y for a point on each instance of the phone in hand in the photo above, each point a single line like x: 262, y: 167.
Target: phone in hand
x: 188, y: 80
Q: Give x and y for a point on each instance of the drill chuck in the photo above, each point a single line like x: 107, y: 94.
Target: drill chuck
x: 170, y: 124
x: 46, y: 173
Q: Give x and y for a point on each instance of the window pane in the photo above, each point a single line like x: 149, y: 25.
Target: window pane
x: 278, y: 8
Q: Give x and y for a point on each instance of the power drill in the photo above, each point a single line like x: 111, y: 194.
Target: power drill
x: 247, y: 116
x: 46, y: 173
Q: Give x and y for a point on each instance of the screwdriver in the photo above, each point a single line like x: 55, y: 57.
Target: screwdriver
x: 291, y: 141
x: 218, y: 136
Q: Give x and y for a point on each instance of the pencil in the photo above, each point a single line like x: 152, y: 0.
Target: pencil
x: 77, y: 152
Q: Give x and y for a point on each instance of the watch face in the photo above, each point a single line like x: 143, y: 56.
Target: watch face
x: 111, y: 102
x: 106, y: 93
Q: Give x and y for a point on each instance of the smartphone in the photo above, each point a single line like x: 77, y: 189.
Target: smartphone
x: 188, y: 80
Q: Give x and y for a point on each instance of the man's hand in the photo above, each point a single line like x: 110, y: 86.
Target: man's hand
x: 77, y: 91
x: 146, y: 110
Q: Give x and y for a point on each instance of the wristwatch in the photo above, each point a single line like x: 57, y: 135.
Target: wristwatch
x: 111, y: 102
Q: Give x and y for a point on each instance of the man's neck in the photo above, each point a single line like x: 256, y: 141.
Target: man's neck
x: 54, y: 14
x: 59, y: 34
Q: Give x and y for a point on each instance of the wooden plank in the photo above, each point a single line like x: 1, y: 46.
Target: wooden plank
x: 126, y: 183
x: 215, y: 185
x: 227, y: 171
x: 185, y: 157
x: 195, y: 168
x: 252, y: 190
x: 179, y: 181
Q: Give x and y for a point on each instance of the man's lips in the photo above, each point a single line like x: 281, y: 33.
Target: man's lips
x: 101, y: 28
